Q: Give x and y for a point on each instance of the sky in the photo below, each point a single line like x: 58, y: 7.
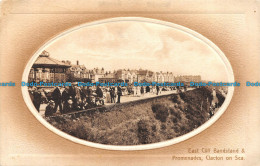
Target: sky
x: 135, y: 45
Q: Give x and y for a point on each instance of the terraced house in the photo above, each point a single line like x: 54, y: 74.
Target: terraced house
x: 77, y: 72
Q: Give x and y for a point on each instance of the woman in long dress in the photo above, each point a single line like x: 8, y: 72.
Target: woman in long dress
x: 138, y: 91
x: 154, y: 90
x: 135, y: 90
x: 108, y: 97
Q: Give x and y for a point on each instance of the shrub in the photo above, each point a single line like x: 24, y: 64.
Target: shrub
x: 163, y: 126
x: 175, y: 113
x: 188, y: 116
x: 182, y: 128
x: 221, y: 99
x: 172, y: 111
x: 183, y: 97
x: 176, y: 129
x: 81, y: 132
x: 154, y: 129
x: 143, y: 132
x: 174, y: 99
x: 174, y: 119
x: 198, y: 123
x: 160, y: 111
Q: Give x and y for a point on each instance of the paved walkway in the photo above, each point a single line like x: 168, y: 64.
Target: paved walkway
x: 128, y: 98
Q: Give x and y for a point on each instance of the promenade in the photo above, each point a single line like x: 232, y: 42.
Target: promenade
x: 129, y: 98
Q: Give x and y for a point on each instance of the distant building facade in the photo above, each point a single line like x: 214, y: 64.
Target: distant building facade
x: 144, y: 75
x: 48, y: 69
x: 187, y: 78
x: 130, y: 76
x: 108, y: 77
x: 77, y: 72
x: 96, y: 73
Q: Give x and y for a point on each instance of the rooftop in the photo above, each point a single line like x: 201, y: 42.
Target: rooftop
x: 44, y: 60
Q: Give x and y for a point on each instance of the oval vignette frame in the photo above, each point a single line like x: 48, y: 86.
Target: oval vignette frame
x: 176, y: 140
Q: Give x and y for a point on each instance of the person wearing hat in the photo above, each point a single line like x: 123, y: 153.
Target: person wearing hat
x: 100, y: 94
x: 65, y: 95
x: 112, y: 94
x: 147, y: 89
x: 72, y: 92
x: 56, y: 97
x: 91, y: 102
x: 83, y: 92
x: 50, y: 109
x: 77, y: 99
x: 68, y: 106
x: 119, y: 94
x: 37, y: 98
x: 84, y: 104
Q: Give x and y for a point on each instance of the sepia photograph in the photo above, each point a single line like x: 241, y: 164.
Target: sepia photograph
x: 139, y: 82
x: 129, y: 82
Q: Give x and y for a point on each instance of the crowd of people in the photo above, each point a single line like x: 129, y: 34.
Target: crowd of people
x: 73, y: 98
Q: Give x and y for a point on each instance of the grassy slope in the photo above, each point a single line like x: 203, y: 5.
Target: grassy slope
x: 143, y: 122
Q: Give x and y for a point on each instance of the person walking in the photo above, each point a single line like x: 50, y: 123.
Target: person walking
x: 135, y: 90
x: 100, y: 95
x: 147, y: 89
x: 72, y: 93
x: 112, y: 94
x: 119, y: 94
x: 158, y: 90
x: 37, y: 99
x: 65, y: 94
x: 138, y: 91
x: 154, y: 90
x: 89, y: 91
x: 142, y: 90
x: 56, y: 97
x: 99, y: 92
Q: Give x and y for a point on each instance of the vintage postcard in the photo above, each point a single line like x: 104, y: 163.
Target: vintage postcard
x: 112, y: 83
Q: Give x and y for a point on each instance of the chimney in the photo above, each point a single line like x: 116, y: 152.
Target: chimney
x: 77, y: 62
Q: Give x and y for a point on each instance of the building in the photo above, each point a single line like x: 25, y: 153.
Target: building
x: 48, y: 69
x: 96, y: 73
x: 108, y: 77
x: 159, y: 77
x: 168, y: 76
x: 130, y: 76
x: 187, y: 78
x: 126, y: 75
x: 78, y: 72
x: 144, y: 75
